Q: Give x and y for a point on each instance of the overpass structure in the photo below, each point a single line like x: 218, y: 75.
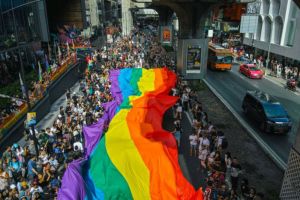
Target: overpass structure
x: 193, y: 16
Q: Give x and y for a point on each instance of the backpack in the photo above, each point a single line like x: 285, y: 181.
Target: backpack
x: 224, y: 143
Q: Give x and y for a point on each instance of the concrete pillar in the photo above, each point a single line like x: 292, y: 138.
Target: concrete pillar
x: 127, y: 21
x: 192, y: 24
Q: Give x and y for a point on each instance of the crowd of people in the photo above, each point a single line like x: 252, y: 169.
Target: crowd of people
x: 34, y: 171
x: 225, y: 177
x: 277, y: 68
x: 49, y: 66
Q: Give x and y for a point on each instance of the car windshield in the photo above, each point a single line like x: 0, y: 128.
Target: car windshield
x: 253, y: 69
x: 224, y: 59
x: 274, y: 110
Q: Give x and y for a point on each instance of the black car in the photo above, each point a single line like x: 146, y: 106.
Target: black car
x: 267, y: 112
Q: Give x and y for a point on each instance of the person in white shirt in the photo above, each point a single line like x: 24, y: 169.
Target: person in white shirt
x: 205, y: 141
x: 203, y: 152
x: 77, y: 146
x: 193, y: 144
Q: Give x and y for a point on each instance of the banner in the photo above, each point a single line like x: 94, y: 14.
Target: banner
x: 141, y: 160
x: 194, y: 58
x: 166, y: 35
x: 31, y: 119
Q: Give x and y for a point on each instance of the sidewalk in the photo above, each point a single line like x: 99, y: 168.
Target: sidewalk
x: 276, y: 80
x: 48, y: 120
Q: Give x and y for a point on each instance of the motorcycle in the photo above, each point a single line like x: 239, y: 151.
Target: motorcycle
x: 291, y: 84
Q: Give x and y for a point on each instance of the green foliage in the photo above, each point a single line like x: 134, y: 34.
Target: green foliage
x: 14, y: 88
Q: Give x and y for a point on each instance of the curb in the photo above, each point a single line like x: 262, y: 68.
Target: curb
x: 269, y: 78
x: 281, y: 84
x: 265, y: 147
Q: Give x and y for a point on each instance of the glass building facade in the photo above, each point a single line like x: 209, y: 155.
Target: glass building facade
x: 22, y: 21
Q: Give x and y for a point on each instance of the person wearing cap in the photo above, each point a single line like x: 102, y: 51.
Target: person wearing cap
x: 22, y: 186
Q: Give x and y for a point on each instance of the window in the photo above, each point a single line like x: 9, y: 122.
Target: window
x: 275, y: 7
x: 291, y: 33
x: 268, y: 27
x: 278, y: 30
x: 266, y: 7
x: 259, y: 28
x: 292, y: 26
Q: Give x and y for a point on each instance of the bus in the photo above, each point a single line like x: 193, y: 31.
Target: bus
x: 219, y: 58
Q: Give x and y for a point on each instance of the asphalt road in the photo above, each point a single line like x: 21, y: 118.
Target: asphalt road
x: 190, y: 166
x: 233, y: 86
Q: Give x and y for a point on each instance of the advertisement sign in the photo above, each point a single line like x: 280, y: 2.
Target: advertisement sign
x: 230, y: 27
x: 166, y: 35
x: 31, y: 119
x: 249, y: 24
x: 193, y: 59
x: 253, y: 8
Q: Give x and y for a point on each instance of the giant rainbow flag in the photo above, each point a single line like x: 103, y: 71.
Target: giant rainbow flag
x: 135, y: 158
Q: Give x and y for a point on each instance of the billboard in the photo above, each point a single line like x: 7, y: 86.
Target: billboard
x: 249, y: 24
x: 31, y: 119
x: 193, y: 59
x: 166, y: 35
x: 230, y: 26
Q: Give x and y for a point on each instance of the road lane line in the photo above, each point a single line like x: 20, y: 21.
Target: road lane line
x: 266, y: 148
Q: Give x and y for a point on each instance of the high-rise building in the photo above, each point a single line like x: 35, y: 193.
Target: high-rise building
x: 278, y: 28
x: 127, y: 21
x: 24, y: 20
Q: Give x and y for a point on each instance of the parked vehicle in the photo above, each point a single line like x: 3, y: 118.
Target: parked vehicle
x: 267, y: 112
x: 251, y: 71
x: 291, y: 84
